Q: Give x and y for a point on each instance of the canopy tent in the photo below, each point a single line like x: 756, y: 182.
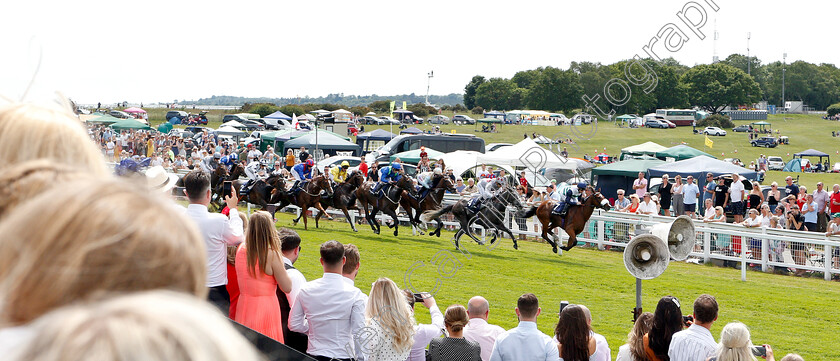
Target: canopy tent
x: 490, y: 120
x: 698, y: 167
x: 227, y: 130
x: 326, y: 141
x: 813, y: 153
x: 278, y: 115
x: 495, y: 114
x: 620, y: 175
x: 413, y: 156
x: 164, y: 128
x: 526, y: 154
x: 309, y: 117
x: 625, y: 117
x: 320, y: 112
x: 681, y: 152
x: 234, y: 124
x: 134, y: 110
x: 341, y: 111
x: 123, y: 124
x: 412, y: 130
x: 105, y: 119
x: 646, y: 148
x: 463, y: 161
x: 793, y: 165
x: 371, y: 114
x: 377, y: 135
x: 760, y: 125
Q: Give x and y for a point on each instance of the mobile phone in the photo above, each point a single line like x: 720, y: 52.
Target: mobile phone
x: 759, y: 351
x: 418, y: 297
x: 227, y: 186
x: 563, y: 305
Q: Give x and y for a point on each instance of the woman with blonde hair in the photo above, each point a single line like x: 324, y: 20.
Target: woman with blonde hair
x: 154, y: 326
x: 387, y: 314
x: 29, y: 132
x: 89, y: 237
x: 454, y: 347
x: 634, y: 349
x: 260, y: 270
x: 23, y: 181
x: 735, y: 344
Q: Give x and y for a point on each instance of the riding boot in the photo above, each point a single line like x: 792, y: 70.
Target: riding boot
x: 560, y: 209
x: 246, y: 188
x: 376, y: 188
x: 475, y: 205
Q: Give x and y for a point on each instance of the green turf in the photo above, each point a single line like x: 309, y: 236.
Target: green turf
x: 791, y: 314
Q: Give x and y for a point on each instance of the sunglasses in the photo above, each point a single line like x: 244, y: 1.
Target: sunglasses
x: 676, y: 301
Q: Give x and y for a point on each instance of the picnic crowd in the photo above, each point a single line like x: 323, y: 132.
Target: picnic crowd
x: 99, y: 268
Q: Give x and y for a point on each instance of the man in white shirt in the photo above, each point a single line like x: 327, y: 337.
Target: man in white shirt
x: 640, y: 185
x: 691, y: 194
x: 329, y: 310
x: 736, y: 196
x: 648, y: 206
x: 218, y: 232
x: 290, y: 247
x: 351, y: 268
x: 602, y: 348
x: 423, y: 333
x: 821, y: 197
x: 525, y: 342
x: 478, y: 329
x: 696, y: 343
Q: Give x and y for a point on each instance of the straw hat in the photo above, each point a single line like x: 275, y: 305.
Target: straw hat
x: 158, y: 179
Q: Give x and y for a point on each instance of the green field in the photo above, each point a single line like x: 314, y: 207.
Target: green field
x: 791, y: 314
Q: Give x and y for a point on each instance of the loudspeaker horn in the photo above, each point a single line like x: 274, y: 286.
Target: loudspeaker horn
x: 679, y: 236
x: 646, y: 256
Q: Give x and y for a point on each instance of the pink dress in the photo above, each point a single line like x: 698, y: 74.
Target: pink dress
x: 258, y: 307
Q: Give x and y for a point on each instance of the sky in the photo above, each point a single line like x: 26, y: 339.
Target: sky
x: 160, y: 51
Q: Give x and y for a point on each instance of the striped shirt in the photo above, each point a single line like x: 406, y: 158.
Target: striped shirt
x: 693, y: 344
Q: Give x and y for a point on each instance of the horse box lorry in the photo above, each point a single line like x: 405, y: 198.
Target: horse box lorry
x: 444, y: 143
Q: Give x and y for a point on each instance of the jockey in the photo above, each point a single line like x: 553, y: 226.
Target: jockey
x: 339, y: 174
x: 390, y: 175
x: 210, y: 163
x: 302, y: 173
x: 572, y: 198
x: 229, y: 160
x: 255, y: 171
x: 487, y: 188
x: 424, y: 180
x: 253, y: 153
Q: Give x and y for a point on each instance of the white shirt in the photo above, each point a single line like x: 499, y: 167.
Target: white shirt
x: 380, y: 346
x: 330, y: 312
x: 298, y: 280
x: 624, y: 353
x: 524, y: 342
x: 690, y: 192
x: 218, y: 232
x: 752, y: 222
x: 692, y: 344
x: 362, y: 295
x: 485, y: 334
x: 736, y: 192
x: 555, y: 196
x: 602, y: 348
x: 647, y: 207
x: 423, y: 334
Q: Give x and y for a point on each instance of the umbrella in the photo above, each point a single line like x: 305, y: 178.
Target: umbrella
x: 134, y: 110
x: 129, y: 124
x: 105, y: 119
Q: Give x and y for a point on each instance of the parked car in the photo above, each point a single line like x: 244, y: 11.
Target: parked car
x: 180, y: 114
x: 369, y: 119
x: 766, y: 142
x: 445, y: 143
x: 236, y: 117
x: 494, y: 146
x: 775, y: 163
x: 119, y: 114
x: 734, y: 161
x: 198, y: 130
x: 742, y: 128
x: 714, y: 131
x: 584, y: 118
x: 462, y: 119
x: 439, y: 119
x: 271, y: 124
x: 383, y: 120
x: 252, y: 125
x: 657, y: 123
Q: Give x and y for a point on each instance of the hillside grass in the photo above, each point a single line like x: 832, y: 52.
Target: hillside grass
x: 791, y: 314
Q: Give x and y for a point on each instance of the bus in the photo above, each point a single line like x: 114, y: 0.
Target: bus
x: 680, y: 117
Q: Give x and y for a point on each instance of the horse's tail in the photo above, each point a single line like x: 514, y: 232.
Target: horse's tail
x: 428, y: 216
x: 530, y: 212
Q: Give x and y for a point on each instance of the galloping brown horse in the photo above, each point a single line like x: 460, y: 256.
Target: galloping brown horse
x: 387, y: 201
x: 262, y: 191
x: 310, y: 196
x: 575, y: 220
x: 343, y: 197
x: 432, y: 201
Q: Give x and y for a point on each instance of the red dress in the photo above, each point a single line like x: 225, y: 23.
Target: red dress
x: 258, y: 307
x: 233, y: 290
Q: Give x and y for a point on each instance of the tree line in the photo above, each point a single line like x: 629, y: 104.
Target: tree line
x: 710, y: 87
x: 347, y: 100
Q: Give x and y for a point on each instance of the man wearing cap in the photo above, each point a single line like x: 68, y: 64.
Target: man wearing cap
x: 339, y: 174
x: 210, y: 163
x: 487, y: 187
x: 302, y: 173
x: 253, y: 153
x: 572, y: 197
x: 424, y: 180
x: 255, y: 172
x: 390, y: 175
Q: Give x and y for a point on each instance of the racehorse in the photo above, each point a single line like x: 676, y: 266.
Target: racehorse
x: 387, y: 201
x: 343, y: 197
x: 310, y: 196
x: 262, y: 191
x: 236, y: 171
x: 440, y: 184
x: 575, y: 220
x: 490, y: 216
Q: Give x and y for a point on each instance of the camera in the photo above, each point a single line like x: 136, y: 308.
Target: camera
x: 418, y: 297
x: 687, y: 319
x: 759, y: 351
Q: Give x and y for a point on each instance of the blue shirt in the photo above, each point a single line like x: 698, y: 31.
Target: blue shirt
x: 709, y: 186
x: 810, y: 217
x: 386, y: 176
x: 690, y: 192
x: 525, y: 342
x: 302, y: 172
